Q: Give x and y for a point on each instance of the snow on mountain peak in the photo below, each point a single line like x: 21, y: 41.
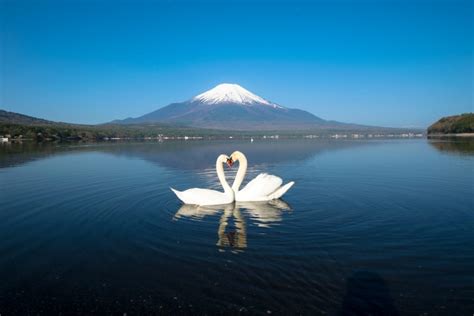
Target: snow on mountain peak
x: 231, y: 93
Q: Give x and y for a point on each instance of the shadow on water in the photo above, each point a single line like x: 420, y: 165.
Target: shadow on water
x: 453, y: 145
x: 367, y: 294
x: 189, y: 155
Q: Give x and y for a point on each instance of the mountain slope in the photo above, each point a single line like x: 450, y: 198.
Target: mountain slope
x: 23, y: 127
x: 17, y: 118
x: 231, y: 107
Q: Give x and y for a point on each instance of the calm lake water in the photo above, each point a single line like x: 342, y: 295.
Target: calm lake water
x: 382, y: 226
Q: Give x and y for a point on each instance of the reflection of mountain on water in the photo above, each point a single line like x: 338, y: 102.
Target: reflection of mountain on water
x: 180, y: 155
x: 232, y: 229
x: 454, y: 145
x: 199, y: 154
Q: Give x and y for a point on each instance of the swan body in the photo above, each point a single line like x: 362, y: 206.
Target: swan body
x: 199, y: 196
x: 264, y: 187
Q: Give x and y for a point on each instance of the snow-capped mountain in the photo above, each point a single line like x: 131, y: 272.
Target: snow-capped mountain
x: 231, y: 93
x: 231, y: 107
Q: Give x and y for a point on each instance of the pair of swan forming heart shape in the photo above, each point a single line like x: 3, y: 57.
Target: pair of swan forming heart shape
x: 264, y: 187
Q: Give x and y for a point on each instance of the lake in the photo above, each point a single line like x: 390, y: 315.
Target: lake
x: 371, y: 226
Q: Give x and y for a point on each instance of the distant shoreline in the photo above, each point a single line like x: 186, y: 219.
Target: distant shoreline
x: 218, y: 138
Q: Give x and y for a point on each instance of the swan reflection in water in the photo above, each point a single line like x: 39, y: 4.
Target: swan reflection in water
x: 264, y: 214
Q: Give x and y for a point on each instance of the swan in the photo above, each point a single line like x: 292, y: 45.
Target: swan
x: 198, y: 196
x: 264, y: 187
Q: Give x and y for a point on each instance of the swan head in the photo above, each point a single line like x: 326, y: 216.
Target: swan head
x: 225, y: 159
x: 230, y: 162
x: 236, y: 155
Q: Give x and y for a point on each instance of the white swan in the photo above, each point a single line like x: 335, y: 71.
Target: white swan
x: 264, y: 187
x: 209, y: 197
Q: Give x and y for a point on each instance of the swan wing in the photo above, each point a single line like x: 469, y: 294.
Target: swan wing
x: 280, y: 191
x: 261, y: 186
x: 199, y: 196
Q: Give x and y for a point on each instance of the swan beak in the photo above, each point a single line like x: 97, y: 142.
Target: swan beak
x: 229, y: 162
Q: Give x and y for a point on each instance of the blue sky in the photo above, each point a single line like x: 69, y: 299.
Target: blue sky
x: 388, y: 63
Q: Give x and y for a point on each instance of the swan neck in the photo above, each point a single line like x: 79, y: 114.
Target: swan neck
x: 221, y: 175
x: 239, y: 177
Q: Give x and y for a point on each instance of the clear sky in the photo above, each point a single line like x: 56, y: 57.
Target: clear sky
x: 388, y: 63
